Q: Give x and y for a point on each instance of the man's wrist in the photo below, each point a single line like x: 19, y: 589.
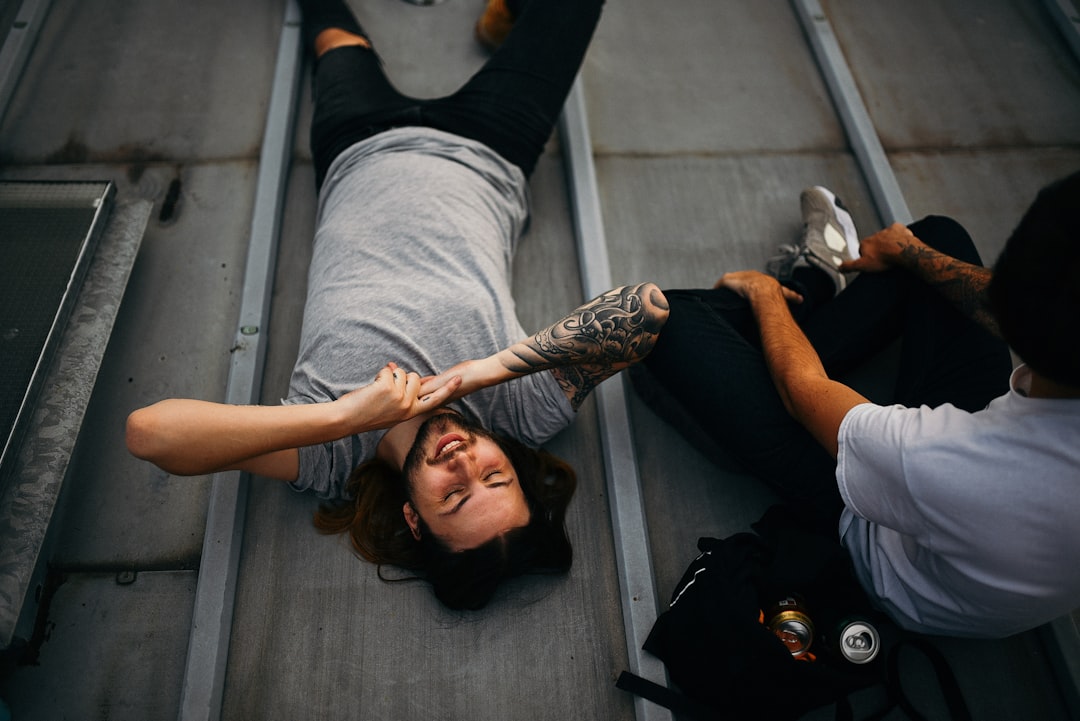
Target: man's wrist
x: 495, y: 369
x: 766, y: 290
x: 911, y: 254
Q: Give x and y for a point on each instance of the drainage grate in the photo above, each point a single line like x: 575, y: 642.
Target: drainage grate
x: 48, y: 231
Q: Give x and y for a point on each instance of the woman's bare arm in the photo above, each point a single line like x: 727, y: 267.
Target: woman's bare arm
x: 190, y: 437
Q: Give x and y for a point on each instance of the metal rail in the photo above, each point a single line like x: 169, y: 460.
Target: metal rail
x: 853, y: 114
x: 638, y: 591
x: 17, y: 45
x: 1067, y: 18
x: 211, y: 627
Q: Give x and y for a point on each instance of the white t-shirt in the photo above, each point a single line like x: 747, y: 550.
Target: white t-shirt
x: 416, y: 231
x: 965, y: 524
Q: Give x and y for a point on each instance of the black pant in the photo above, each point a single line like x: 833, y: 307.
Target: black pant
x: 511, y: 104
x: 709, y: 362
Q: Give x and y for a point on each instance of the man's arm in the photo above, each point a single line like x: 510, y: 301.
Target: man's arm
x: 191, y: 437
x: 592, y: 343
x: 810, y: 396
x: 963, y: 284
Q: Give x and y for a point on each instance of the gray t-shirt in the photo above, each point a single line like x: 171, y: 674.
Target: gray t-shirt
x: 416, y: 230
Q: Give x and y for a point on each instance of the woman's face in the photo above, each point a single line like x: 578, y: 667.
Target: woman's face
x: 461, y: 484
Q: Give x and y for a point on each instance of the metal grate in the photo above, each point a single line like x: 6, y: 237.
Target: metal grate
x: 47, y: 236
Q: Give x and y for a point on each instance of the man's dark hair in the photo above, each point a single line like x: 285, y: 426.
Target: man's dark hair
x: 1035, y: 289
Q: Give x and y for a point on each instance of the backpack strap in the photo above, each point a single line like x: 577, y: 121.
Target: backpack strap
x: 664, y: 696
x: 950, y: 689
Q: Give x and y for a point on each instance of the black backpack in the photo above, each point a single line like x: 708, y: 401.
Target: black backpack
x: 728, y: 664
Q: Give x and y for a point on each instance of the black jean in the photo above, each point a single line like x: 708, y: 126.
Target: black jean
x: 709, y: 367
x: 511, y: 104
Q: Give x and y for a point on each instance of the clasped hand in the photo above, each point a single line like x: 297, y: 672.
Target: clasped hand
x: 751, y: 284
x: 882, y: 250
x: 396, y: 395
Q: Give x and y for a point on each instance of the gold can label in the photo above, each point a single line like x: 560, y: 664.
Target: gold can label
x: 790, y: 623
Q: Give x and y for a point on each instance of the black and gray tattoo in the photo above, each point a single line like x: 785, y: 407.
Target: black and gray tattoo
x: 596, y: 340
x: 963, y: 284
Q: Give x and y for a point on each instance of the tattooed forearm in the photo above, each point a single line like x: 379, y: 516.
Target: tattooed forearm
x: 577, y: 383
x: 963, y: 284
x: 596, y: 340
x: 619, y: 327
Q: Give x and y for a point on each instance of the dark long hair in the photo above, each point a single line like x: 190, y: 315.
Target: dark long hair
x: 373, y: 518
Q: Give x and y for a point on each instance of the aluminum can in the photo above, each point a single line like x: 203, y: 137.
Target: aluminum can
x: 857, y: 640
x: 792, y: 625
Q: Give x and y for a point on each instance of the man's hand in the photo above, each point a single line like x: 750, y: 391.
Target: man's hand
x: 884, y: 249
x: 750, y: 284
x: 395, y: 396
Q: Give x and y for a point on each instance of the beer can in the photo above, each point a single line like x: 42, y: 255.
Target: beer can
x: 857, y: 640
x: 792, y: 625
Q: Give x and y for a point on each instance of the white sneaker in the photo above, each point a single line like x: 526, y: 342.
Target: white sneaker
x: 828, y: 239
